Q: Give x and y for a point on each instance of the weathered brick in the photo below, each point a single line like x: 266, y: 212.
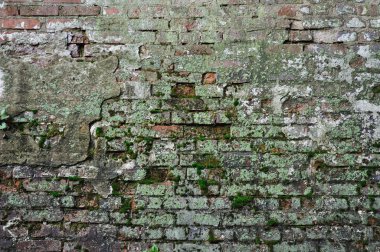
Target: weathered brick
x: 20, y: 24
x: 8, y: 11
x: 39, y: 245
x: 79, y: 10
x: 39, y: 10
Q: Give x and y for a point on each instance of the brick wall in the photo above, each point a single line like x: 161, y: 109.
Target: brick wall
x: 197, y: 125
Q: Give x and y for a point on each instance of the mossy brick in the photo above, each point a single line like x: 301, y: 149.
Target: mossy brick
x: 337, y: 189
x: 235, y: 189
x: 119, y: 218
x: 306, y: 246
x: 178, y: 233
x: 13, y: 200
x: 238, y: 219
x: 167, y: 38
x: 164, y: 158
x: 244, y: 247
x: 198, y: 203
x: 153, y: 234
x: 245, y: 234
x: 238, y: 159
x: 43, y: 215
x: 220, y: 203
x: 129, y: 233
x: 198, y: 247
x: 194, y: 218
x: 154, y: 219
x: 206, y: 219
x: 272, y: 235
x: 153, y: 190
x: 329, y: 246
x: 234, y: 145
x: 198, y: 234
x: 86, y: 216
x: 204, y: 118
x: 41, y: 199
x: 209, y: 91
x: 175, y: 203
x: 41, y: 185
x: 332, y: 203
x: 211, y: 132
x: 206, y: 146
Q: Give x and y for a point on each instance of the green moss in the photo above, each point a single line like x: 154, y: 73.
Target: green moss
x: 55, y: 194
x: 154, y: 176
x: 227, y: 136
x: 154, y: 248
x: 33, y: 123
x: 129, y: 150
x: 126, y: 205
x: 257, y: 240
x: 241, y: 201
x: 116, y: 188
x: 211, y: 237
x: 53, y: 131
x: 99, y: 132
x: 236, y: 102
x: 376, y: 89
x: 376, y: 145
x: 156, y: 111
x: 41, y: 142
x: 203, y: 185
x: 201, y: 138
x: 309, y: 193
x: 75, y: 178
x: 272, y: 222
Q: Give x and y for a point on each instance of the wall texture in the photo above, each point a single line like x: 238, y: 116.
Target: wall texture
x: 195, y: 125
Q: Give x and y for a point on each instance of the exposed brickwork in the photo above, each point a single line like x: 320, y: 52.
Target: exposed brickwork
x: 194, y: 125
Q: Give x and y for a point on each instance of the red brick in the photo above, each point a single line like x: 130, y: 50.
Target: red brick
x: 111, y: 11
x: 20, y: 24
x: 79, y: 10
x: 39, y: 10
x: 8, y: 11
x: 288, y: 11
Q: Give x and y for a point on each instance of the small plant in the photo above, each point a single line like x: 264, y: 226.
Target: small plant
x: 129, y: 150
x: 309, y: 194
x: 241, y: 201
x: 236, y: 102
x: 115, y: 189
x: 3, y: 117
x: 41, y: 142
x: 272, y: 222
x: 74, y: 178
x: 156, y: 111
x: 203, y: 185
x: 211, y: 237
x: 55, y: 194
x: 257, y: 240
x: 201, y: 138
x: 227, y: 136
x: 154, y: 248
x: 126, y: 205
x: 99, y: 132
